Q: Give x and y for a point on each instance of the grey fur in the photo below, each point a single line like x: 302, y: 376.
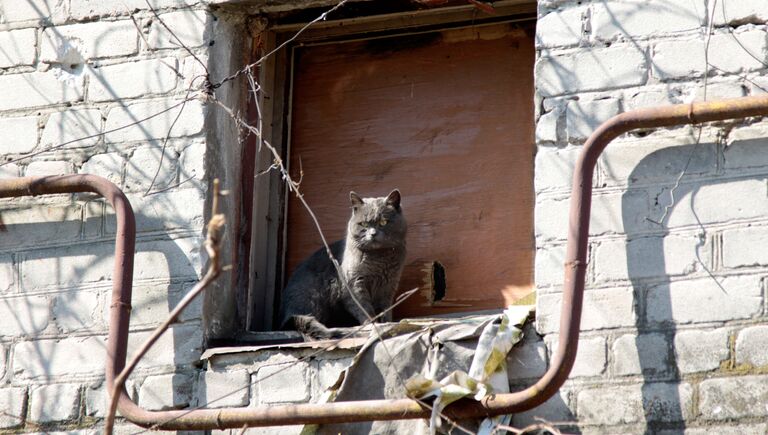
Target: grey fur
x: 371, y: 258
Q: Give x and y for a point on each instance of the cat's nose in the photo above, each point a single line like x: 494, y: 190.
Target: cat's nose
x: 371, y: 232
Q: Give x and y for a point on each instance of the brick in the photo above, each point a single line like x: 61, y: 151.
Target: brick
x: 720, y: 202
x: 283, y: 383
x: 190, y: 27
x: 549, y: 126
x: 751, y: 344
x: 528, y: 360
x: 12, y: 11
x: 612, y: 213
x: 12, y: 401
x: 24, y: 316
x: 152, y: 304
x: 733, y: 398
x: 649, y: 257
x: 189, y: 123
x: 179, y: 258
x: 18, y: 48
x: 668, y: 402
x: 591, y: 357
x: 48, y: 167
x: 659, y: 158
x: 185, y: 341
x: 678, y: 59
x: 728, y: 55
x: 170, y: 391
x: 132, y: 79
x: 745, y: 148
x: 143, y: 165
x: 76, y: 310
x: 9, y: 170
x: 7, y: 279
x: 83, y: 42
x: 639, y: 18
x: 650, y: 97
x: 720, y: 91
x: 328, y: 372
x: 192, y: 162
x: 610, y: 406
x: 96, y: 400
x: 561, y: 27
x: 36, y: 226
x: 109, y: 166
x: 224, y: 389
x: 549, y: 266
x: 38, y: 89
x: 49, y: 359
x: 741, y: 12
x: 590, y: 70
x: 80, y: 128
x: 557, y: 408
x: 67, y: 266
x: 743, y: 247
x: 646, y: 354
x: 705, y: 300
x: 166, y: 210
x: 700, y: 351
x: 583, y: 117
x: 554, y: 168
x: 80, y: 9
x: 58, y: 402
x: 19, y: 135
x: 608, y: 308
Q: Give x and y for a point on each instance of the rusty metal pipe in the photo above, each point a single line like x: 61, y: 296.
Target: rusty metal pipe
x: 573, y: 288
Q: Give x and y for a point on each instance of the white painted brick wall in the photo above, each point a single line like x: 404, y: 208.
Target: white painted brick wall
x: 72, y: 125
x: 89, y: 41
x: 602, y: 68
x: 694, y: 303
x: 641, y: 18
x: 133, y: 79
x: 38, y: 89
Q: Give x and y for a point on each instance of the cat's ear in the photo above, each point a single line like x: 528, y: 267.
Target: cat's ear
x: 355, y: 200
x: 393, y: 199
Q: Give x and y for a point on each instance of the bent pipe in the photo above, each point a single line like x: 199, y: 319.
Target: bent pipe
x: 570, y: 318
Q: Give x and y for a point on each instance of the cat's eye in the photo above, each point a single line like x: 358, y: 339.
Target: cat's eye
x: 364, y: 224
x: 382, y: 221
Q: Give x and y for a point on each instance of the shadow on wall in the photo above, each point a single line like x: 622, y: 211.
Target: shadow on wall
x: 674, y: 273
x: 55, y: 270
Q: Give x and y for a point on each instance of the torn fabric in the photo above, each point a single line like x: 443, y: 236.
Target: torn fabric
x: 467, y: 355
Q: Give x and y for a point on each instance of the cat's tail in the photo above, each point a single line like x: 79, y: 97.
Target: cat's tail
x: 311, y: 329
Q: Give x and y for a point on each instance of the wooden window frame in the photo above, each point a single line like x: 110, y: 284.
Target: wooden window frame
x: 269, y: 211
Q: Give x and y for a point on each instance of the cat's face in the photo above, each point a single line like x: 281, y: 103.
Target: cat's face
x: 376, y: 223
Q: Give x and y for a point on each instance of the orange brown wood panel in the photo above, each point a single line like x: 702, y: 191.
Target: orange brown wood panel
x: 447, y: 118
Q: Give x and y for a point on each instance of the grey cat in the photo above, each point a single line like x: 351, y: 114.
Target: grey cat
x: 371, y: 259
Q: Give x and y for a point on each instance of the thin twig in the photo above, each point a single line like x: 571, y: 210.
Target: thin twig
x: 212, y: 246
